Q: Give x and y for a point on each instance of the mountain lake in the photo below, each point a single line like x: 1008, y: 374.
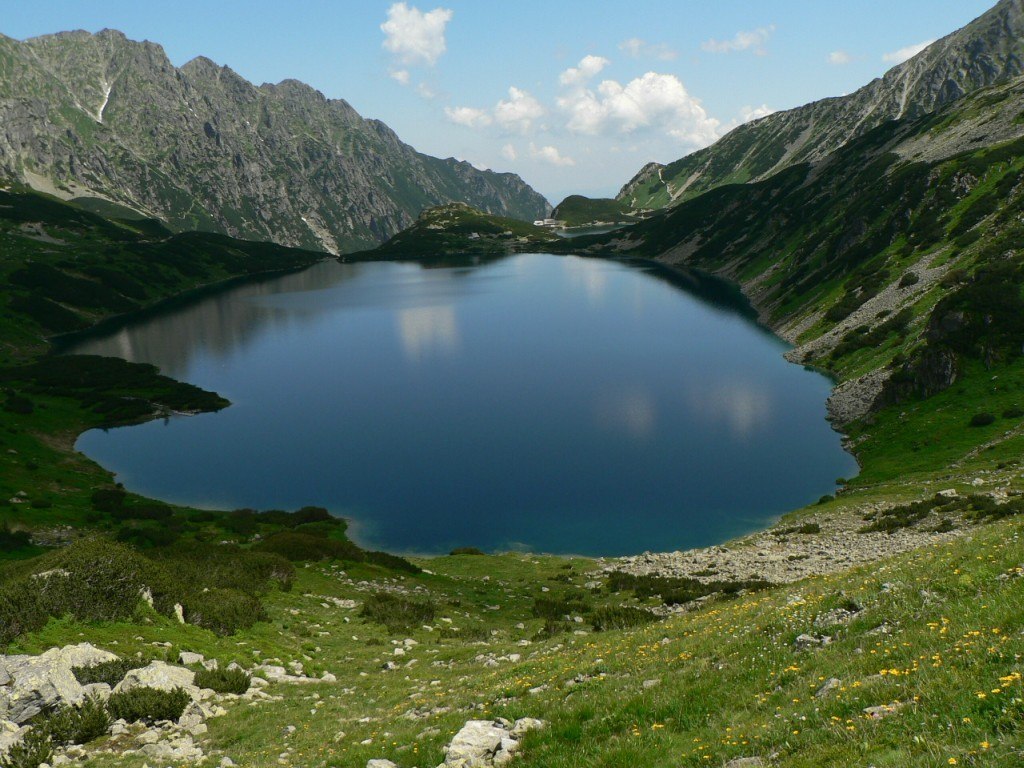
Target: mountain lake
x: 536, y: 402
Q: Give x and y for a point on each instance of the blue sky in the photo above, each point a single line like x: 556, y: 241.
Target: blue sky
x: 488, y: 82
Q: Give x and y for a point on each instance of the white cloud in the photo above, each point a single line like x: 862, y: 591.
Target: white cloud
x: 413, y: 36
x: 509, y: 152
x: 549, y: 154
x: 468, y: 116
x: 839, y: 58
x: 586, y: 69
x: 426, y: 91
x: 908, y: 52
x: 750, y: 40
x: 651, y: 101
x: 518, y: 112
x: 749, y: 113
x: 637, y: 47
x: 401, y: 75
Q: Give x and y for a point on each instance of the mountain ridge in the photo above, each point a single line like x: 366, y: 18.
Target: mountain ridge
x: 102, y: 116
x: 986, y: 51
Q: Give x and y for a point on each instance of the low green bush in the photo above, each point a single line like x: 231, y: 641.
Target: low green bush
x: 31, y: 752
x: 78, y: 725
x: 680, y: 590
x: 223, y: 611
x: 466, y: 551
x: 224, y: 680
x: 556, y: 608
x: 397, y: 612
x: 981, y: 419
x: 620, y: 617
x: 109, y: 672
x: 302, y: 547
x: 148, y: 705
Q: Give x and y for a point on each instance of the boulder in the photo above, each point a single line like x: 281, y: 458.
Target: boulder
x: 84, y: 655
x: 188, y: 658
x: 380, y: 763
x: 162, y: 676
x: 475, y: 744
x: 487, y: 743
x: 35, y: 684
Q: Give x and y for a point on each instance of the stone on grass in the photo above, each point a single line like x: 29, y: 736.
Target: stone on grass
x: 161, y: 676
x: 487, y: 743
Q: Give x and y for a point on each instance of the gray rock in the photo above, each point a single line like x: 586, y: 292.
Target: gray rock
x: 827, y: 687
x: 487, y: 743
x: 746, y: 762
x: 805, y: 641
x: 85, y: 655
x: 379, y: 762
x: 37, y: 683
x: 188, y: 658
x: 524, y: 724
x: 161, y: 676
x: 475, y: 744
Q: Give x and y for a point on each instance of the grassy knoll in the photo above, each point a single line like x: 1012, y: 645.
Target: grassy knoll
x: 458, y: 230
x: 580, y: 211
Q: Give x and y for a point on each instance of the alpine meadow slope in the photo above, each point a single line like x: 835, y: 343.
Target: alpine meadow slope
x: 110, y: 121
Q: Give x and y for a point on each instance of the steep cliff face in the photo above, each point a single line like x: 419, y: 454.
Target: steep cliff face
x: 101, y: 116
x: 987, y: 51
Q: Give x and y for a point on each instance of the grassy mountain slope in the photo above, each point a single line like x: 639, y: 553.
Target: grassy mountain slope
x: 101, y: 116
x: 578, y: 211
x: 458, y: 229
x: 990, y: 50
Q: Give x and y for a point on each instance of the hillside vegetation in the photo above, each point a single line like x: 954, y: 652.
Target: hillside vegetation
x: 578, y: 211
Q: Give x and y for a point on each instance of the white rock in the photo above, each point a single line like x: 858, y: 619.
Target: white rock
x: 85, y: 655
x: 161, y: 676
x: 37, y: 683
x: 380, y: 763
x: 188, y: 658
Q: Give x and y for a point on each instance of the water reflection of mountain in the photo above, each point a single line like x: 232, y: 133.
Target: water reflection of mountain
x: 221, y: 321
x: 215, y: 323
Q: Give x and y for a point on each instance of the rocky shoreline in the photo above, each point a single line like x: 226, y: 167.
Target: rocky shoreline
x: 783, y: 554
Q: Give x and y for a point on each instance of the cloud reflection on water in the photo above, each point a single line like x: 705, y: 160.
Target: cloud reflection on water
x: 428, y: 331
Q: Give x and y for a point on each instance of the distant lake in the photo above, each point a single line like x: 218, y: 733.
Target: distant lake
x: 538, y: 402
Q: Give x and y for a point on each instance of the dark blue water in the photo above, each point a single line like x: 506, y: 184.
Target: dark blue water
x: 550, y: 403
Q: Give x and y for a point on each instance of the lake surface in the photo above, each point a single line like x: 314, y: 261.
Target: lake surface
x: 548, y: 403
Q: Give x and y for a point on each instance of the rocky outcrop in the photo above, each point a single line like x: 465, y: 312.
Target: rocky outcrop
x: 33, y: 684
x: 109, y: 119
